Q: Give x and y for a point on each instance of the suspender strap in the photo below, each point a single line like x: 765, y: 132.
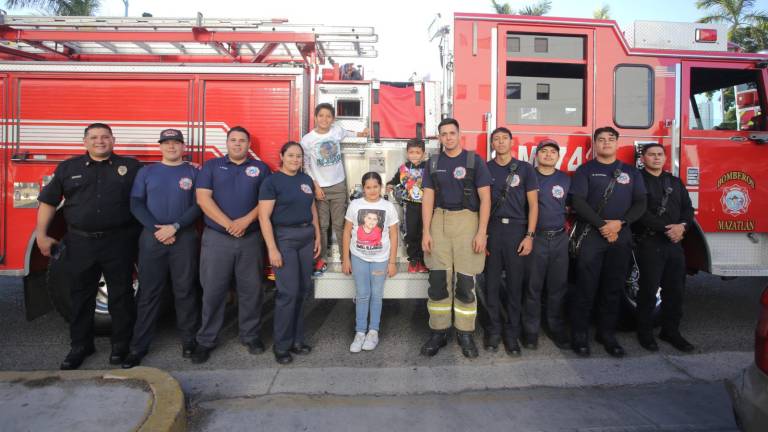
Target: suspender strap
x: 667, y: 184
x: 469, y: 181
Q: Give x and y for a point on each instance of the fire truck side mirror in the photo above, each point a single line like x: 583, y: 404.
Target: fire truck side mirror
x: 759, y: 138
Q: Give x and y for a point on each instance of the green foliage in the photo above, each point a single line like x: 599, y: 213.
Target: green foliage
x: 58, y: 7
x: 541, y: 8
x: 603, y: 13
x: 747, y: 27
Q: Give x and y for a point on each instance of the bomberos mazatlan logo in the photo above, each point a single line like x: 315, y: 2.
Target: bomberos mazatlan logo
x: 735, y: 200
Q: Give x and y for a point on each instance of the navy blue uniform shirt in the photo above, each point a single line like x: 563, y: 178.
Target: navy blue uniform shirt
x: 167, y: 191
x: 235, y: 187
x: 515, y: 205
x: 293, y: 196
x: 450, y: 173
x: 96, y: 193
x: 591, y: 179
x: 553, y: 193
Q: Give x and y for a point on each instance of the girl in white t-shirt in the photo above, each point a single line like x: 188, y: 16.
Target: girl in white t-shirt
x: 323, y: 162
x: 369, y: 253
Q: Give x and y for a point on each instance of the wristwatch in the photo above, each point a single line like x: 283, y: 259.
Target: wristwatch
x: 176, y: 226
x: 530, y: 234
x: 685, y: 225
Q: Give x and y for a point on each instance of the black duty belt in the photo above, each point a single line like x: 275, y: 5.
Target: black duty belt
x: 301, y: 225
x: 92, y: 234
x: 549, y: 233
x: 509, y: 221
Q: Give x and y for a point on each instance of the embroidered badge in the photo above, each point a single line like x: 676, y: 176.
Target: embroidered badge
x: 185, y: 183
x: 306, y: 189
x: 623, y: 178
x: 122, y: 170
x: 558, y: 191
x: 252, y: 171
x: 515, y: 180
x: 459, y: 173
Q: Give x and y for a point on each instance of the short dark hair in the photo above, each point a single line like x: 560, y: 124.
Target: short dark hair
x: 501, y: 129
x: 415, y: 143
x: 371, y: 175
x: 448, y: 121
x: 239, y: 129
x: 605, y: 129
x: 649, y: 146
x: 325, y: 105
x: 290, y: 144
x: 97, y: 126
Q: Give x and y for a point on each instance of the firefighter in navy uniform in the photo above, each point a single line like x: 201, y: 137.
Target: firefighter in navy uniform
x: 163, y: 200
x: 607, y: 195
x: 514, y: 214
x: 455, y: 209
x: 660, y: 256
x: 101, y: 239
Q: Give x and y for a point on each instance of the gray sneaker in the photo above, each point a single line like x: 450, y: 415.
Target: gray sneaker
x: 357, y: 344
x: 371, y: 340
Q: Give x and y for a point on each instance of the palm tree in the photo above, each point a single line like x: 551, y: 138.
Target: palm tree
x: 737, y: 13
x: 58, y: 7
x: 604, y: 13
x: 541, y: 8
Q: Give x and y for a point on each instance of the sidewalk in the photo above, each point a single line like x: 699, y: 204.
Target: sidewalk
x: 143, y: 399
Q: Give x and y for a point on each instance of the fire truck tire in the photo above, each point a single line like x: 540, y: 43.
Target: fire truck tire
x: 628, y: 321
x: 59, y: 283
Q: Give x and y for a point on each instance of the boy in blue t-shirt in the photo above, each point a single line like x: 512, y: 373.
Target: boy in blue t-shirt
x: 406, y: 185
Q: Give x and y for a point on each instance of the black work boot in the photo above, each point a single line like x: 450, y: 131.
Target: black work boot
x: 118, y: 354
x: 674, y: 338
x: 580, y: 344
x: 647, y: 341
x: 491, y: 342
x: 467, y: 344
x: 437, y: 340
x: 76, y: 357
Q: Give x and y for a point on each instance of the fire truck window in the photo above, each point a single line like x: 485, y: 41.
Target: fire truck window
x: 542, y: 91
x: 545, y: 46
x: 548, y: 94
x: 346, y: 108
x: 513, y: 90
x: 633, y: 97
x: 725, y: 99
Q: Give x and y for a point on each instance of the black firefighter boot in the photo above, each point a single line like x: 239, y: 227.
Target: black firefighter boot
x: 467, y: 344
x: 437, y: 340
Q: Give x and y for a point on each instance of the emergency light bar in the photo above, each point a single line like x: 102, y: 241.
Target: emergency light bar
x: 706, y: 35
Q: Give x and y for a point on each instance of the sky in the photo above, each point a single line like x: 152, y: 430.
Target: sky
x: 404, y: 46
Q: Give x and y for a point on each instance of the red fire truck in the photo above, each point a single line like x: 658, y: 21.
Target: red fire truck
x: 541, y: 77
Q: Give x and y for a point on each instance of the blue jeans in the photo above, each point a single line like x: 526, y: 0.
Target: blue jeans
x: 369, y: 286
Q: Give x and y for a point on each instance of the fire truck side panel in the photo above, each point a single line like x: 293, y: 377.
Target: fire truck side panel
x: 723, y: 168
x: 5, y: 188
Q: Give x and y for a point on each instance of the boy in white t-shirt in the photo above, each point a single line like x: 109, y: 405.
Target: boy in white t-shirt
x: 323, y: 162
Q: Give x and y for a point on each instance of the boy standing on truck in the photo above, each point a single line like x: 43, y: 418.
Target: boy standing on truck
x: 406, y: 184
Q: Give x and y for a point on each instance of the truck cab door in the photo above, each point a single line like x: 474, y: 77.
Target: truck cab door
x: 723, y: 158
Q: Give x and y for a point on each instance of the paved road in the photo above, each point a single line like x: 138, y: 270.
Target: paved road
x: 398, y: 389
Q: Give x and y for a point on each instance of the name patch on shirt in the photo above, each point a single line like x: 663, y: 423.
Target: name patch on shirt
x: 252, y: 171
x: 306, y: 189
x: 558, y: 191
x: 75, y: 176
x: 185, y: 183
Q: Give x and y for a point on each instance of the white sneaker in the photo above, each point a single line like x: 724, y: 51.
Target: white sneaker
x: 357, y: 344
x: 371, y: 340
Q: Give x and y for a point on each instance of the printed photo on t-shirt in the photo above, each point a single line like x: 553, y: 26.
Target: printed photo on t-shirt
x: 327, y: 153
x: 370, y: 228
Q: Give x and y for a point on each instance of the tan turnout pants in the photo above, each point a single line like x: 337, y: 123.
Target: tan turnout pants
x: 452, y: 234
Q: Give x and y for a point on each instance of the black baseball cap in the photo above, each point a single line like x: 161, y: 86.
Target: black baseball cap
x: 548, y: 143
x: 171, y: 134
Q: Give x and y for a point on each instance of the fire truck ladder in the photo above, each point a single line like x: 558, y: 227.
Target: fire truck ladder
x: 189, y: 40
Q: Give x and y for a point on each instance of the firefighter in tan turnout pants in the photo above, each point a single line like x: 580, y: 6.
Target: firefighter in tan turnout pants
x: 455, y: 209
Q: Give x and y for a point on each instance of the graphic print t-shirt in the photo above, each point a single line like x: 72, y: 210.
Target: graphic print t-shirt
x: 322, y: 155
x: 370, y: 228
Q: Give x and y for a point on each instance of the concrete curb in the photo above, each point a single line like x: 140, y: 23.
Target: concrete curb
x: 165, y: 411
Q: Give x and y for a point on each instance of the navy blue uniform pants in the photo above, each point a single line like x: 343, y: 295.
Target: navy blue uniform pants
x: 662, y: 264
x: 601, y: 270
x: 158, y: 262
x: 548, y: 273
x: 413, y: 230
x: 503, y: 241
x: 294, y: 283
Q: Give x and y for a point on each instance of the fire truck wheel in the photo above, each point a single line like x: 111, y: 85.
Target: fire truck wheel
x: 628, y: 321
x: 59, y: 284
